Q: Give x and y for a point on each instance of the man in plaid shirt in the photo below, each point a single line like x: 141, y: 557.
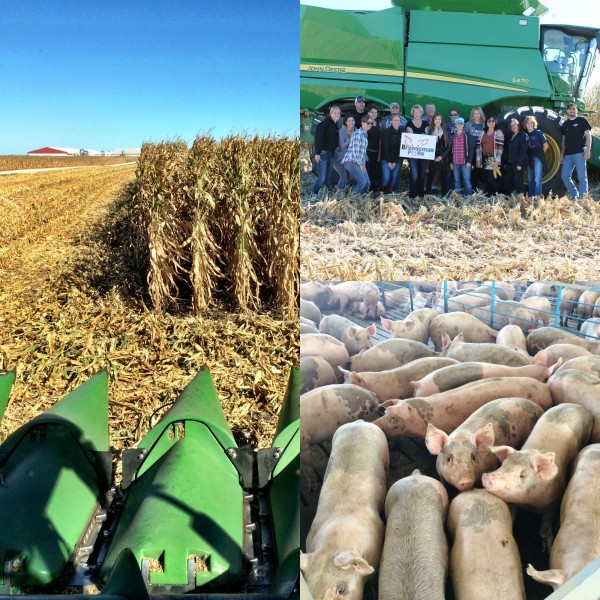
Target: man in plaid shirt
x: 355, y: 157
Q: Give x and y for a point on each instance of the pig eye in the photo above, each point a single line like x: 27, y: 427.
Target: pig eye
x: 449, y: 458
x: 473, y: 457
x: 340, y: 590
x: 522, y: 474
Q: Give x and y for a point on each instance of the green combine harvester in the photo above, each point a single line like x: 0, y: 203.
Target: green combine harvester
x: 193, y: 515
x: 454, y: 53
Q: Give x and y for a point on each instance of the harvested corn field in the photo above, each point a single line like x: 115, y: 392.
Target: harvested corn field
x: 394, y: 238
x: 74, y: 299
x: 9, y: 162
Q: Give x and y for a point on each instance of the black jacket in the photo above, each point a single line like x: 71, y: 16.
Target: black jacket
x: 326, y: 136
x: 517, y: 149
x: 390, y: 145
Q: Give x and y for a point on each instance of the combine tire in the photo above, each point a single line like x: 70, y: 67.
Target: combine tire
x: 549, y: 122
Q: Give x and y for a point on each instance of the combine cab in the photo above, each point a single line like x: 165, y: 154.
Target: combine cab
x: 192, y: 514
x: 452, y: 53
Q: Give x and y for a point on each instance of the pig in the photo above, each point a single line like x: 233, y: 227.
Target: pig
x: 396, y: 383
x: 512, y: 336
x: 359, y: 309
x: 304, y: 329
x: 353, y: 336
x: 564, y: 352
x: 398, y: 298
x: 534, y: 477
x: 305, y: 321
x: 414, y: 327
x: 568, y: 304
x: 309, y: 310
x: 473, y: 330
x: 324, y: 409
x: 414, y: 560
x: 523, y: 317
x: 503, y: 289
x: 325, y: 346
x: 345, y: 540
x: 447, y: 410
x: 591, y: 328
x: 580, y: 388
x: 586, y: 304
x: 464, y: 455
x: 505, y: 313
x: 356, y: 291
x: 541, y: 307
x: 450, y: 377
x: 578, y: 540
x: 539, y: 288
x: 597, y: 308
x: 490, y: 353
x: 588, y: 364
x: 484, y: 558
x: 315, y: 292
x: 469, y: 300
x: 546, y: 336
x: 315, y: 372
x: 390, y: 354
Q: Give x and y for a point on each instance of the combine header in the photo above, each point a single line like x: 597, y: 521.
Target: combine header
x: 192, y: 514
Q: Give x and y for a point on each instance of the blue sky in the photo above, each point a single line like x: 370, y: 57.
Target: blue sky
x: 102, y: 74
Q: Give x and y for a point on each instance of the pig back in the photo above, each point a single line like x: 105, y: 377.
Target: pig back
x: 454, y: 323
x: 315, y: 372
x: 484, y: 558
x: 325, y: 346
x: 587, y: 364
x: 490, y: 353
x: 390, y: 354
x: 414, y: 561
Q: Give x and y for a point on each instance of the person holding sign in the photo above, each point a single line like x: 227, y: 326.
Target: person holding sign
x: 462, y: 149
x: 441, y: 163
x: 417, y: 165
x: 356, y: 156
x: 390, y: 154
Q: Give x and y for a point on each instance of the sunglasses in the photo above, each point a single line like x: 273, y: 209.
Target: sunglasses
x: 454, y: 114
x: 491, y: 120
x: 369, y: 122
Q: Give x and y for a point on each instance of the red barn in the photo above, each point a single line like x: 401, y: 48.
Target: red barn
x: 53, y: 151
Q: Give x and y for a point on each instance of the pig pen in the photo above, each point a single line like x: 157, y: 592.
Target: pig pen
x: 408, y: 454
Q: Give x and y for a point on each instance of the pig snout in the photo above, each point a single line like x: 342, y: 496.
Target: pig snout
x: 489, y: 482
x: 465, y: 483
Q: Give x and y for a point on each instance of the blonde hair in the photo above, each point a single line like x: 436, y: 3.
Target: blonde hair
x: 412, y: 110
x: 481, y: 113
x: 530, y: 119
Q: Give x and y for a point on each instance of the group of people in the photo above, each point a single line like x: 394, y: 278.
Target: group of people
x: 468, y: 154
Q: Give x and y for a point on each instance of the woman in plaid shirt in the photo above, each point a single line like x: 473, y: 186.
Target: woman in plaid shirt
x: 356, y: 155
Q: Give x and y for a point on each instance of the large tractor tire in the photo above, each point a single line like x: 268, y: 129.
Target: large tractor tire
x: 549, y: 122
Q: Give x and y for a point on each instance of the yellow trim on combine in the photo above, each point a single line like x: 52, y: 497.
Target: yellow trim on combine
x: 357, y: 70
x: 415, y: 75
x: 395, y: 73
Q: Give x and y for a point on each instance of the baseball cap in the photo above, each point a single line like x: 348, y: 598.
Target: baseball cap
x: 571, y: 104
x: 359, y: 99
x: 394, y: 104
x: 459, y: 120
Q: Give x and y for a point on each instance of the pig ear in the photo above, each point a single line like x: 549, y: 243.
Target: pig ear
x: 372, y: 329
x: 502, y: 451
x: 349, y: 560
x: 445, y: 339
x: 553, y: 577
x: 483, y: 438
x: 305, y: 560
x: 541, y: 358
x: 555, y: 366
x: 459, y: 338
x: 435, y: 439
x: 410, y: 325
x: 386, y: 323
x: 388, y: 403
x: 357, y: 379
x: 351, y: 331
x: 545, y: 466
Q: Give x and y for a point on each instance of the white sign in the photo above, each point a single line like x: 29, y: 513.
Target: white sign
x: 414, y: 145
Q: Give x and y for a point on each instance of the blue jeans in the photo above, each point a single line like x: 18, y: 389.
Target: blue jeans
x: 577, y: 162
x: 417, y: 177
x: 324, y: 168
x: 389, y: 175
x: 535, y: 176
x: 343, y: 173
x: 361, y: 177
x: 462, y: 174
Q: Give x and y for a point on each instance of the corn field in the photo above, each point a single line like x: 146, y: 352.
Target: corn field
x: 219, y: 218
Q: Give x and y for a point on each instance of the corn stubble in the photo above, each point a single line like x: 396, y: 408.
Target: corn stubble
x: 220, y: 216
